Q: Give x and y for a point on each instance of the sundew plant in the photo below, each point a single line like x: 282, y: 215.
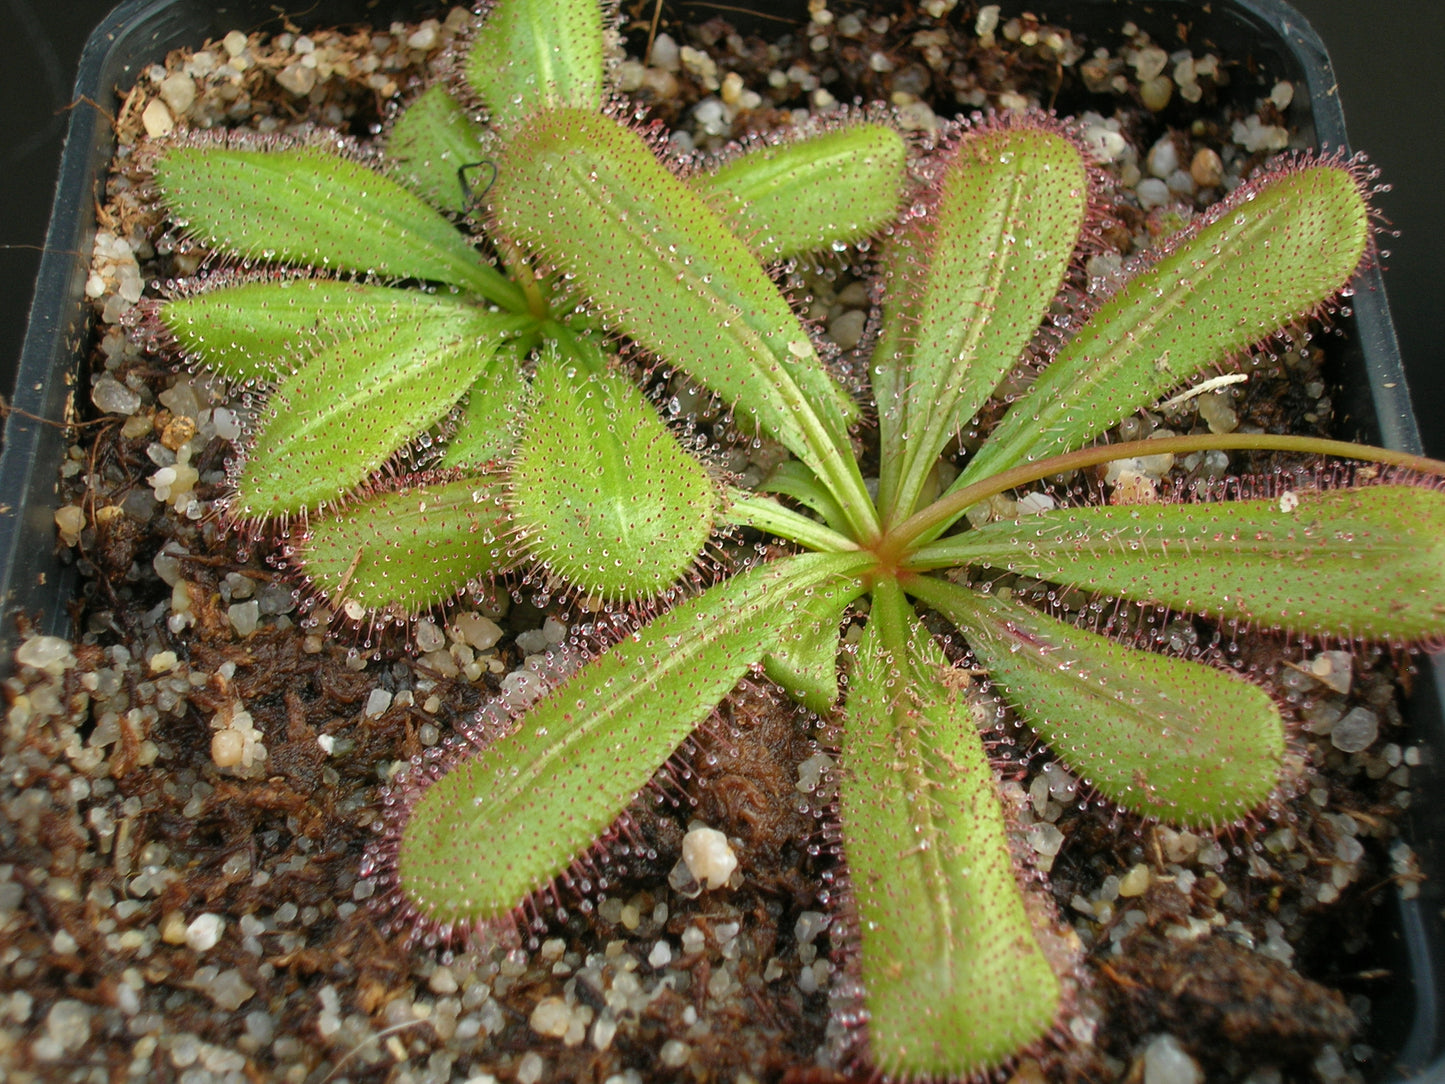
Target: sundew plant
x: 394, y: 331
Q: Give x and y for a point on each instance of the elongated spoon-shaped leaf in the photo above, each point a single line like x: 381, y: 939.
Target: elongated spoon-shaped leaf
x: 603, y: 493
x: 401, y: 551
x: 345, y: 410
x: 256, y: 331
x: 529, y: 57
x: 968, y: 287
x: 308, y: 206
x: 590, y: 195
x: 1161, y: 736
x: 954, y: 977
x: 504, y: 822
x: 1366, y: 561
x: 830, y: 189
x: 1277, y: 248
x: 437, y: 150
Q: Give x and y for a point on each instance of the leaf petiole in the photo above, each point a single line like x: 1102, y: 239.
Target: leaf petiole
x: 749, y: 510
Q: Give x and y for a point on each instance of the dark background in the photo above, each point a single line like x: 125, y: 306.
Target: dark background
x: 1389, y: 56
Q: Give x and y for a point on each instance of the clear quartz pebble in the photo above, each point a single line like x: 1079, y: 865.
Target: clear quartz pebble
x: 113, y: 397
x: 1167, y: 1062
x: 1356, y: 731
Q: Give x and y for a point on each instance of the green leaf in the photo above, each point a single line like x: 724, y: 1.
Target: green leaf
x: 954, y: 976
x: 488, y: 426
x: 591, y: 197
x: 398, y: 552
x: 344, y: 411
x: 255, y: 331
x: 968, y: 287
x: 438, y: 151
x: 1274, y: 251
x: 1358, y: 562
x: 531, y: 56
x: 785, y: 199
x: 309, y: 206
x: 1171, y: 739
x: 603, y: 493
x: 746, y: 509
x: 805, y: 663
x: 792, y: 479
x: 506, y: 821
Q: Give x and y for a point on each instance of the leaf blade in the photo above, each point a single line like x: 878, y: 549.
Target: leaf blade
x: 488, y: 425
x: 629, y: 519
x: 1167, y: 738
x: 805, y: 662
x: 345, y: 410
x: 788, y: 198
x: 503, y: 823
x: 530, y: 57
x: 941, y: 916
x: 398, y: 552
x: 437, y: 149
x: 308, y: 206
x: 1354, y: 562
x: 1303, y: 230
x: 251, y: 332
x: 968, y: 287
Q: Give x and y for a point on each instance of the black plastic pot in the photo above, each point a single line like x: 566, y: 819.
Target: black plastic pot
x: 1264, y: 35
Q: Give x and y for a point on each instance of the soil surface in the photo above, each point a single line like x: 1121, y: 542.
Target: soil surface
x: 178, y: 905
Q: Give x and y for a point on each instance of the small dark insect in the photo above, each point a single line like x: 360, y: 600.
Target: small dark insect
x: 471, y: 197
